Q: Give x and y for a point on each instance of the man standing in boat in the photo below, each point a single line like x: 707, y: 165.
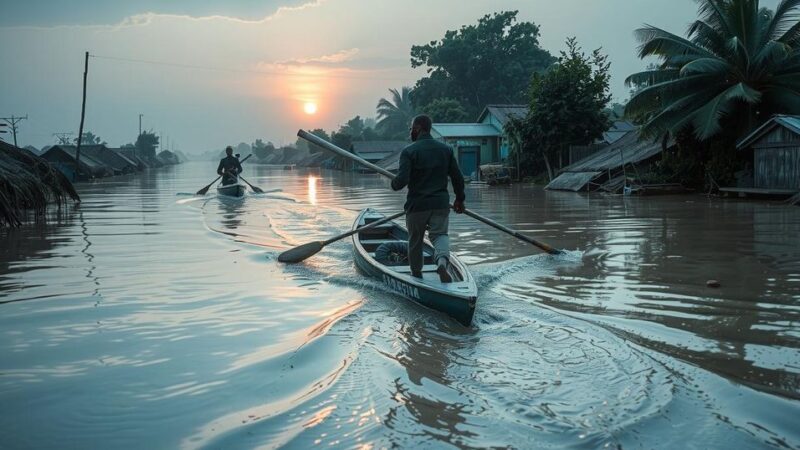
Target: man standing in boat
x: 425, y: 166
x: 229, y: 167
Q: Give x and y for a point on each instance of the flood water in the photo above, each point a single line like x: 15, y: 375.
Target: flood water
x: 147, y: 319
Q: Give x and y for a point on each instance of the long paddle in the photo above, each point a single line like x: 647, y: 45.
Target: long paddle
x: 344, y: 153
x: 310, y: 249
x: 255, y: 189
x: 205, y: 189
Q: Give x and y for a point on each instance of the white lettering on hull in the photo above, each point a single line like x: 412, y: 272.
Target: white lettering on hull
x: 401, y: 287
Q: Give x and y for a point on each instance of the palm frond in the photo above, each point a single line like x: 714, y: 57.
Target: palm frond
x: 706, y: 120
x: 787, y: 15
x: 708, y: 66
x: 657, y: 42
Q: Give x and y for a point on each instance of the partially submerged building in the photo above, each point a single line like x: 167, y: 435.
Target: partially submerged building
x: 775, y: 151
x: 63, y: 157
x: 474, y: 144
x: 606, y: 168
x: 118, y: 163
x: 374, y: 151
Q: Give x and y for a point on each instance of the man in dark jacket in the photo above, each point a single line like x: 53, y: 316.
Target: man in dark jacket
x: 425, y: 167
x: 229, y: 167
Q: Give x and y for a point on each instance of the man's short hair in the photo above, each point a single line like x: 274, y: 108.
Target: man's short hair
x: 423, y: 121
x: 229, y: 149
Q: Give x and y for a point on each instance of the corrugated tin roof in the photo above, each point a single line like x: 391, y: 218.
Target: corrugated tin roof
x: 618, y: 129
x: 572, y: 181
x: 790, y: 122
x: 627, y: 150
x: 504, y: 113
x: 70, y: 150
x: 453, y: 130
x: 379, y: 146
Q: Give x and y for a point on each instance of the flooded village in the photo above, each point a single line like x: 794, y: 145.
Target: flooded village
x: 533, y: 226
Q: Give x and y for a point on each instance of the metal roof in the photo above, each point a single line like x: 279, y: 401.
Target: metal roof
x: 791, y: 123
x: 456, y: 130
x: 627, y: 150
x: 504, y: 113
x: 379, y: 146
x: 618, y: 129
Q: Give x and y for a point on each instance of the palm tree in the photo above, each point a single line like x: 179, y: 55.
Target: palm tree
x: 739, y: 64
x: 395, y: 116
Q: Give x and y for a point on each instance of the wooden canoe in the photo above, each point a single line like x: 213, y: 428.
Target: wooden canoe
x: 456, y: 299
x: 232, y: 190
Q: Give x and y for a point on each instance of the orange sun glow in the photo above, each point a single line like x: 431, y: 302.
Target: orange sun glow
x: 310, y: 108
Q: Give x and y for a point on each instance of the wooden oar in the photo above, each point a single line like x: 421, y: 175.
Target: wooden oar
x: 205, y: 189
x: 310, y: 249
x: 344, y: 153
x: 255, y: 189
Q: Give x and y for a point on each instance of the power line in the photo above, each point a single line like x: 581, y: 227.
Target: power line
x: 230, y: 70
x: 12, y: 122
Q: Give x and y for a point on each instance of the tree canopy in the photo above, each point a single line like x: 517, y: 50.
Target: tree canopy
x: 567, y: 106
x: 146, y: 144
x: 490, y: 62
x: 446, y: 110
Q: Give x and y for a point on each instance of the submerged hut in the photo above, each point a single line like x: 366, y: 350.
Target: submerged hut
x: 63, y: 158
x: 130, y: 153
x: 119, y: 163
x: 775, y: 149
x: 606, y: 167
x: 29, y: 183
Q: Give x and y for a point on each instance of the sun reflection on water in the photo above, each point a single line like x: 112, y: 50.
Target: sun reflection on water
x: 312, y: 189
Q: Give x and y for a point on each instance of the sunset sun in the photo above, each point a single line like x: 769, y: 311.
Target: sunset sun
x: 310, y: 108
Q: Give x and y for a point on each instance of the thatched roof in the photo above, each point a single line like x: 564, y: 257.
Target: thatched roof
x: 28, y: 182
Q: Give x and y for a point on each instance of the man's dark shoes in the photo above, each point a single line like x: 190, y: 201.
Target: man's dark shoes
x: 416, y: 275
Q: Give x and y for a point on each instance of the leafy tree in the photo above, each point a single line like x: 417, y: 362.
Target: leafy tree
x: 90, y: 139
x: 354, y: 127
x: 128, y: 146
x: 394, y: 116
x: 567, y: 106
x: 738, y: 65
x: 446, y: 110
x: 262, y: 150
x: 146, y: 145
x: 303, y: 145
x: 490, y: 62
x: 342, y: 140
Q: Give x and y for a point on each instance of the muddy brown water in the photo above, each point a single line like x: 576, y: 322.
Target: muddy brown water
x: 146, y: 319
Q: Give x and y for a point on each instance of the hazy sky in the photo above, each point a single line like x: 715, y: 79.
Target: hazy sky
x: 245, y: 68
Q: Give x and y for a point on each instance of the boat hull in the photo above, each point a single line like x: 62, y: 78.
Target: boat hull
x: 231, y: 190
x: 457, y: 299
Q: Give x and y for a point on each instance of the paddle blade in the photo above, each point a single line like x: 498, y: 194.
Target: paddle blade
x: 204, y: 190
x: 257, y: 189
x: 300, y: 253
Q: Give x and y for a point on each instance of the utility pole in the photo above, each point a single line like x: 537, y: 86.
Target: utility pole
x: 12, y: 122
x: 83, y: 115
x: 63, y: 138
x: 140, y: 124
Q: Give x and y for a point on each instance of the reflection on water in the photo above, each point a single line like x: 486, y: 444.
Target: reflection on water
x: 141, y: 318
x: 312, y: 189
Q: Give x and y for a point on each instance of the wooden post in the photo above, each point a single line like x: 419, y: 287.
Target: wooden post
x: 83, y: 114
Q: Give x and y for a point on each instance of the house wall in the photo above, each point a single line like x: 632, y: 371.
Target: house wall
x: 777, y: 160
x: 503, y: 143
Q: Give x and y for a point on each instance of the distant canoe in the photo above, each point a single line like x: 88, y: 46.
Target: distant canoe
x: 456, y: 299
x: 232, y: 190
